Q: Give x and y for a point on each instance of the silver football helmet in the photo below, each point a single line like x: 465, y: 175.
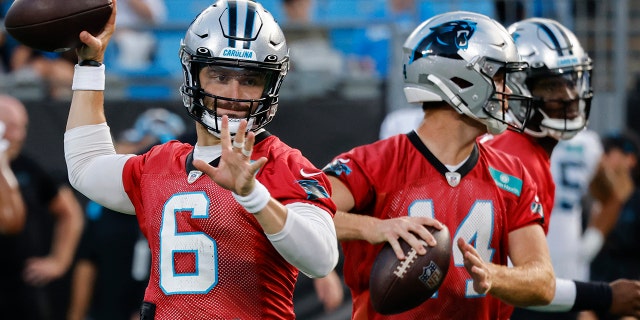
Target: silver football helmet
x: 238, y: 36
x: 455, y: 57
x: 559, y: 76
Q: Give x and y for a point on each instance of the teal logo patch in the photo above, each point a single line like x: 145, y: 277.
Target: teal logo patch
x: 506, y: 182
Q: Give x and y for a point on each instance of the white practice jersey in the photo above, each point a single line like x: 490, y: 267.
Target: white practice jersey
x: 573, y: 164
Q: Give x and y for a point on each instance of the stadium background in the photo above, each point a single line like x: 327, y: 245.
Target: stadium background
x: 323, y: 114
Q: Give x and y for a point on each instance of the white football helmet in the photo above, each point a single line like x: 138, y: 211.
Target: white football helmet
x: 454, y: 57
x: 237, y: 35
x: 558, y: 67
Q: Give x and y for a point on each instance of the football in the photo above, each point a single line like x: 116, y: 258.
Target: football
x: 55, y: 25
x: 397, y: 286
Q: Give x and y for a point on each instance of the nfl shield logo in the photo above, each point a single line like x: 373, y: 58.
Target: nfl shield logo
x: 453, y: 178
x: 193, y: 176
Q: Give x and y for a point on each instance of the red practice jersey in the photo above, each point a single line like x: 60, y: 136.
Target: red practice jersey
x: 210, y: 257
x: 488, y: 197
x: 537, y: 162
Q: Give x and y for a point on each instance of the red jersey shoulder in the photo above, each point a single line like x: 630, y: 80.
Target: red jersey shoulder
x: 378, y: 155
x: 510, y: 175
x: 172, y: 152
x: 503, y: 161
x: 291, y: 177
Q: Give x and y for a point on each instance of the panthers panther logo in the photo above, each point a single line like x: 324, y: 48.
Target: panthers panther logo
x: 445, y: 40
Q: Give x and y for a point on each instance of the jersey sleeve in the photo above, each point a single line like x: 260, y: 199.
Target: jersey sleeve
x: 527, y: 208
x: 292, y: 178
x: 349, y: 169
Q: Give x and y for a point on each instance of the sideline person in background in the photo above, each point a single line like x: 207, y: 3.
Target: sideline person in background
x: 232, y: 220
x: 617, y: 181
x: 34, y: 283
x: 134, y: 40
x: 12, y: 211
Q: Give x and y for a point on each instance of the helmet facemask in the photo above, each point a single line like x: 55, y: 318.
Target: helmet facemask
x: 564, y: 102
x: 559, y: 78
x: 207, y: 107
x: 503, y: 97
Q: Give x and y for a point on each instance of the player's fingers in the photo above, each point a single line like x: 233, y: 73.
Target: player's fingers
x: 395, y: 245
x: 429, y: 222
x: 112, y: 18
x: 462, y: 245
x: 248, y: 143
x: 257, y: 165
x: 225, y: 136
x: 423, y: 234
x: 418, y: 243
x: 239, y: 137
x: 204, y: 167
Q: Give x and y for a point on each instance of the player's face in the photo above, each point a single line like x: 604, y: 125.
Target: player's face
x: 502, y: 89
x: 232, y: 83
x: 560, y: 96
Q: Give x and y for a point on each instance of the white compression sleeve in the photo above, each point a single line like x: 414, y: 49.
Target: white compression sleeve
x: 308, y: 240
x: 94, y: 167
x: 563, y: 299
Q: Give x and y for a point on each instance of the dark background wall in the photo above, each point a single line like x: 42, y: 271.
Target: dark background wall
x: 320, y: 128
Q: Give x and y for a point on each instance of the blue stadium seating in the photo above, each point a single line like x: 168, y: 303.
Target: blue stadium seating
x: 429, y: 8
x: 184, y: 11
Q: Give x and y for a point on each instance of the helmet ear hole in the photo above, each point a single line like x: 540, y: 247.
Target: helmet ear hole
x: 461, y: 83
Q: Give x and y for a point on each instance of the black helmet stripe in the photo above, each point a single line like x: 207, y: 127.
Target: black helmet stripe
x: 233, y: 23
x: 239, y: 29
x: 248, y: 26
x: 555, y: 40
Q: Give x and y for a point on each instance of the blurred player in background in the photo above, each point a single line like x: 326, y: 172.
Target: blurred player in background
x: 231, y: 220
x: 455, y: 66
x: 559, y: 79
x: 34, y: 279
x: 616, y: 181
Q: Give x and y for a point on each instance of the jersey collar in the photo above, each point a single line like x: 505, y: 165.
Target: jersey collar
x: 463, y: 170
x: 189, y: 167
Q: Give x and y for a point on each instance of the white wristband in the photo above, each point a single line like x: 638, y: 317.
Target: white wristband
x: 256, y: 200
x: 88, y: 78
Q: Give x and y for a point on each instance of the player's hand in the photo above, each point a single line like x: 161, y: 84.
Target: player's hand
x: 40, y: 271
x: 626, y: 298
x: 620, y: 177
x: 93, y: 48
x: 235, y: 171
x: 477, y: 268
x: 410, y: 229
x: 329, y: 291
